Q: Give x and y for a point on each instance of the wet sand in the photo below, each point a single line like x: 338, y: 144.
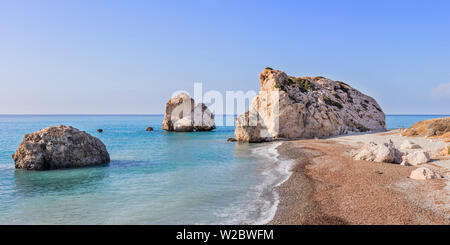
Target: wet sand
x: 328, y: 187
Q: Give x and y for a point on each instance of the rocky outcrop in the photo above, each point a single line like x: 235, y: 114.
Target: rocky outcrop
x: 182, y: 115
x: 149, y: 129
x: 424, y: 174
x: 306, y: 107
x: 379, y: 153
x: 416, y: 157
x: 59, y: 147
x: 434, y: 127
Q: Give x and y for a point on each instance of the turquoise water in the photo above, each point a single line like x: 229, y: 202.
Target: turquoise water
x: 153, y: 178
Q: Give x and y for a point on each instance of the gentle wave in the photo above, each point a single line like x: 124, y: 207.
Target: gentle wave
x: 276, y: 176
x: 6, y: 166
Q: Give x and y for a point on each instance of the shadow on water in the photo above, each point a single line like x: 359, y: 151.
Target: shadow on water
x: 64, y: 181
x: 79, y: 180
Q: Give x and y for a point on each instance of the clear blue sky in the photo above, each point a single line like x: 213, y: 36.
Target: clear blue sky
x: 129, y: 56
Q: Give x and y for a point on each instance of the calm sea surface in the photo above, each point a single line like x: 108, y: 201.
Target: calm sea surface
x: 153, y: 178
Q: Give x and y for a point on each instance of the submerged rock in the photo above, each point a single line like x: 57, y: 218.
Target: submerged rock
x: 183, y: 116
x: 306, y: 107
x: 100, y: 130
x: 385, y: 152
x: 59, y: 147
x: 424, y: 174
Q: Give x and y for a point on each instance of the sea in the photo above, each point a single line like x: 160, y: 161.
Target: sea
x: 155, y: 177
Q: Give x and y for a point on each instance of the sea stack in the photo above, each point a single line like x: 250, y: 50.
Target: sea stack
x: 182, y: 115
x: 60, y: 147
x: 306, y: 107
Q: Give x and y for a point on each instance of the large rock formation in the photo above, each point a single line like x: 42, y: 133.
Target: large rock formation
x: 306, y: 107
x: 182, y: 115
x: 60, y: 147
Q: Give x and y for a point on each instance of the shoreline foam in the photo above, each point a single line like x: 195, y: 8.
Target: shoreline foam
x: 283, y: 169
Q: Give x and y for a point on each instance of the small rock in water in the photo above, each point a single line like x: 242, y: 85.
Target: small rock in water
x: 231, y: 140
x: 100, y: 130
x: 149, y: 129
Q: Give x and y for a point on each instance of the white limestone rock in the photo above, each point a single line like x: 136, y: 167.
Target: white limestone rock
x: 424, y: 174
x: 373, y: 152
x: 417, y: 157
x: 306, y: 107
x: 408, y: 145
x: 183, y: 116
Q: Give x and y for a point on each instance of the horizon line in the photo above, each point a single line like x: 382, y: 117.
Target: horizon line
x: 162, y: 114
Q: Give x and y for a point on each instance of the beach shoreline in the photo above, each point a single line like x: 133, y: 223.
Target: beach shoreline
x: 328, y: 187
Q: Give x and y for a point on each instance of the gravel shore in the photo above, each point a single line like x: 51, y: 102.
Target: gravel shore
x: 328, y: 187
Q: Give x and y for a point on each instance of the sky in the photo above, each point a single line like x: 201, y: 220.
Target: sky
x: 128, y: 57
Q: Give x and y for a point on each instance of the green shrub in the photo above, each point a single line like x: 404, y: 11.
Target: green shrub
x: 303, y: 84
x: 281, y: 87
x: 361, y: 128
x: 288, y: 81
x: 343, y: 86
x: 336, y: 95
x: 331, y: 102
x: 269, y: 68
x: 364, y: 106
x: 318, y: 78
x: 342, y: 83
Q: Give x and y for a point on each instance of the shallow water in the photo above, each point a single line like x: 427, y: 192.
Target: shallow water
x: 153, y: 178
